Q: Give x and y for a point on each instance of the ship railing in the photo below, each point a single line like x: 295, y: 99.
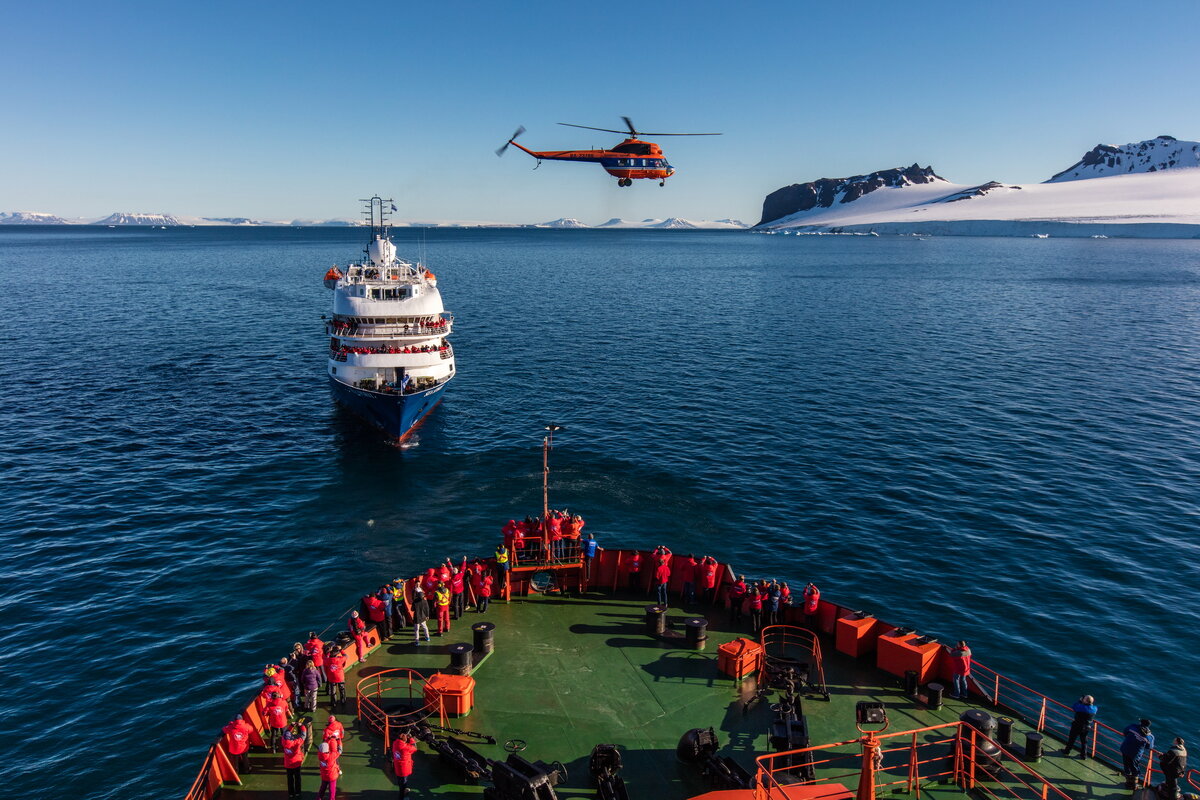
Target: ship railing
x: 1048, y: 715
x: 208, y: 782
x: 907, y: 761
x: 398, y: 685
x: 789, y: 646
x: 387, y: 331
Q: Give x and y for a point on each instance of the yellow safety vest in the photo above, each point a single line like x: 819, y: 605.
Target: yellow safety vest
x: 443, y: 597
x: 501, y: 555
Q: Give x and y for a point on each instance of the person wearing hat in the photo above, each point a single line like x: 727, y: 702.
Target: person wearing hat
x: 330, y: 771
x: 420, y: 612
x: 1138, y: 743
x: 277, y: 712
x: 237, y: 741
x: 295, y: 747
x: 1174, y: 766
x: 442, y: 601
x: 358, y: 630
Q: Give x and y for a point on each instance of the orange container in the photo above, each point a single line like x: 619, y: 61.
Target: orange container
x: 739, y: 658
x: 457, y: 693
x: 898, y: 654
x: 856, y: 637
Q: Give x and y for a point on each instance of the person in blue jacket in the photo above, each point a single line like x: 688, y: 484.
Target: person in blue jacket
x: 1136, y: 747
x: 1085, y: 709
x: 589, y: 552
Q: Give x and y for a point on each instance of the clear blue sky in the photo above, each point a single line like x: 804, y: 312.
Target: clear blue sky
x: 298, y: 109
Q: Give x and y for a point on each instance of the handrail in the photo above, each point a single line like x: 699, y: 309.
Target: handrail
x: 389, y: 330
x: 1049, y: 715
x: 373, y: 715
x: 202, y: 788
x: 962, y: 748
x: 778, y: 637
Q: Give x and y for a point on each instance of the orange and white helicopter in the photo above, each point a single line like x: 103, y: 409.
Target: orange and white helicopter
x: 632, y: 159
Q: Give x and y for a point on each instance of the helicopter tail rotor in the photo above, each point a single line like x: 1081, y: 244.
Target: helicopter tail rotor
x: 511, y: 139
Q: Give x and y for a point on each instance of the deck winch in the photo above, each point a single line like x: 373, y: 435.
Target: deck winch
x: 698, y: 747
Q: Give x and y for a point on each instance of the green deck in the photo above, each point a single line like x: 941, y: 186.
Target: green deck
x: 569, y: 674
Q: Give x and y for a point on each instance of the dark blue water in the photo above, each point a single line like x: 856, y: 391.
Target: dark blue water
x: 990, y: 438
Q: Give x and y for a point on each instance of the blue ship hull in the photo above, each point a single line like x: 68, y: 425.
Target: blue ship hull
x: 396, y: 415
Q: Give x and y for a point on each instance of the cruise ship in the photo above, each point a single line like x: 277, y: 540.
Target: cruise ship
x: 389, y: 350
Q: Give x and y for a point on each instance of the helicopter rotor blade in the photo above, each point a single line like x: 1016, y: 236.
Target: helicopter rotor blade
x: 648, y: 133
x: 590, y: 128
x: 629, y: 124
x: 511, y: 139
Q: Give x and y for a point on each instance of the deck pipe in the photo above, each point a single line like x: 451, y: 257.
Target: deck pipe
x: 460, y: 658
x: 656, y: 620
x: 484, y: 638
x: 696, y: 632
x: 933, y: 695
x: 911, y: 682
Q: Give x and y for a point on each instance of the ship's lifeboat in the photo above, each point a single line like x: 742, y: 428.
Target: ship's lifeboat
x: 332, y: 277
x: 430, y: 278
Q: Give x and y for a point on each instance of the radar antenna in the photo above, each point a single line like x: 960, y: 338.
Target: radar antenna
x: 376, y: 212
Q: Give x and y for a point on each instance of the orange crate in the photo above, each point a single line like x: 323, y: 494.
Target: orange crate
x: 856, y: 637
x: 457, y: 692
x: 739, y: 658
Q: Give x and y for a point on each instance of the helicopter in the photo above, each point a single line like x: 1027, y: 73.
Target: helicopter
x: 632, y: 159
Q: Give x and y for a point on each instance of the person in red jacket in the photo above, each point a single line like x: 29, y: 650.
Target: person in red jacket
x: 295, y: 748
x: 314, y: 648
x: 335, y: 671
x: 689, y: 568
x: 483, y: 595
x: 335, y: 733
x: 756, y: 604
x: 812, y: 604
x: 277, y: 712
x: 708, y: 578
x: 737, y: 596
x: 429, y: 581
x: 237, y: 740
x: 330, y: 771
x: 662, y: 579
x: 402, y: 760
x: 358, y: 629
x: 377, y: 613
x: 458, y: 589
x: 634, y: 569
x: 554, y: 528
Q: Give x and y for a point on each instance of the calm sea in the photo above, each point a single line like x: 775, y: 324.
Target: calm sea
x: 994, y: 439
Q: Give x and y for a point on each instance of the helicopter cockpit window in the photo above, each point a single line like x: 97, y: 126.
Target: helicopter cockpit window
x: 633, y: 148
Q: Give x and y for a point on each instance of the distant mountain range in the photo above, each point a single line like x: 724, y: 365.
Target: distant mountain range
x: 172, y: 220
x: 1143, y: 189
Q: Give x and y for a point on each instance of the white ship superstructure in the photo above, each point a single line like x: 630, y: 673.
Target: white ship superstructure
x: 389, y: 352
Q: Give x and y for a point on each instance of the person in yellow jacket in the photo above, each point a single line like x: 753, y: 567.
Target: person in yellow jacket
x: 442, y: 600
x: 503, y: 564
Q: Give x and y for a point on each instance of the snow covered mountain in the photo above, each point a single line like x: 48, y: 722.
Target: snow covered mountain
x: 122, y: 218
x: 675, y: 223
x: 1152, y: 155
x: 1150, y: 188
x: 561, y: 222
x: 30, y: 218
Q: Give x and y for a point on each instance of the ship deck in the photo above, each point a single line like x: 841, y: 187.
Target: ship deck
x: 568, y: 674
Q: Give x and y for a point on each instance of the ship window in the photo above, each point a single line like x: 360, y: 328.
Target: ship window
x: 333, y: 370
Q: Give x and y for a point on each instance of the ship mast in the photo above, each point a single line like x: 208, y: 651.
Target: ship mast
x: 376, y: 212
x: 547, y: 446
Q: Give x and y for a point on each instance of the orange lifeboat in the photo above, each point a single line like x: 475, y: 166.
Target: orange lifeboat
x: 332, y: 277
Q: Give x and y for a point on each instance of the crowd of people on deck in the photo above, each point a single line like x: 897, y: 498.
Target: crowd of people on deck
x: 526, y: 539
x: 418, y: 326
x: 444, y: 592
x: 343, y: 350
